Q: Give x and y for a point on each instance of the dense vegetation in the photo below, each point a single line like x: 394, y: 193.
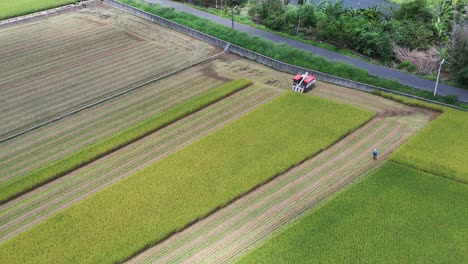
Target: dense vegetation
x: 397, y: 215
x: 415, y: 36
x: 283, y: 52
x: 144, y: 208
x: 57, y: 168
x: 21, y: 7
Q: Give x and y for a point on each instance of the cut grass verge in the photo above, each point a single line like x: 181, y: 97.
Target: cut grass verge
x: 143, y: 209
x: 70, y: 162
x: 9, y: 8
x: 397, y: 214
x: 440, y: 147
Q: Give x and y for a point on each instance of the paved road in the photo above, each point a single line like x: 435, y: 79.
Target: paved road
x: 405, y: 78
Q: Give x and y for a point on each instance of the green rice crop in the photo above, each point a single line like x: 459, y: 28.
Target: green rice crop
x: 12, y: 8
x: 57, y: 168
x: 395, y: 215
x: 139, y: 211
x: 441, y: 147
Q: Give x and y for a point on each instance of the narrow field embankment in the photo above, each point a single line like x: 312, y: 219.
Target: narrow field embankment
x: 189, y: 184
x: 34, y: 207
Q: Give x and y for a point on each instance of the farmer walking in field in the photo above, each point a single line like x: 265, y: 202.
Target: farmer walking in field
x: 375, y: 153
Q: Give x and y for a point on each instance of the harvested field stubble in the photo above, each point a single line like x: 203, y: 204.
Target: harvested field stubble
x: 188, y: 181
x: 40, y: 204
x: 46, y: 144
x: 98, y: 149
x: 46, y: 69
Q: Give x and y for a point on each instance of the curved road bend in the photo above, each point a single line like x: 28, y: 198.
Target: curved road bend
x: 384, y: 72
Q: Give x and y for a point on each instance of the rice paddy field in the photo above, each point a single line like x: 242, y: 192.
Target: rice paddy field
x: 21, y: 7
x: 397, y: 215
x: 180, y: 153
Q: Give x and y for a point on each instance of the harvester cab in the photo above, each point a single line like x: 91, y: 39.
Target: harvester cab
x: 303, y: 82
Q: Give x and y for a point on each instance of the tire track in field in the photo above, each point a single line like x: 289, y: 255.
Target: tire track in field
x: 43, y: 202
x: 231, y: 231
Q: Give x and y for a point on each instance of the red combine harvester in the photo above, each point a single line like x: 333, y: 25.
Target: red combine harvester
x: 302, y: 83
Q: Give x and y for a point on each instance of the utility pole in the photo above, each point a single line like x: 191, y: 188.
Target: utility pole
x: 438, y: 73
x: 234, y: 8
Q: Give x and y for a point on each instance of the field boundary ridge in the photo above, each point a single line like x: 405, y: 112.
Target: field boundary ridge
x: 251, y: 55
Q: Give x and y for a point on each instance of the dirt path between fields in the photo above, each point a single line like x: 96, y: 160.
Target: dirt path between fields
x: 230, y: 232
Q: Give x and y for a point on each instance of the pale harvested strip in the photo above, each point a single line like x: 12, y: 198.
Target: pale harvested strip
x: 233, y: 230
x: 37, y: 148
x: 357, y: 98
x: 40, y: 204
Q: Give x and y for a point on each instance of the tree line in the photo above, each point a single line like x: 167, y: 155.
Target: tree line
x: 417, y: 35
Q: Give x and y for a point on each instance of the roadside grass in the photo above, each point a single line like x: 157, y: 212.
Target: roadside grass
x: 284, y: 52
x: 395, y: 215
x: 83, y: 156
x: 15, y: 8
x: 139, y: 211
x: 441, y: 147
